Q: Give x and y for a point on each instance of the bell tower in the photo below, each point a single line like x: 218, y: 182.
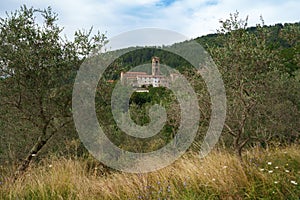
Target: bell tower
x: 155, y: 66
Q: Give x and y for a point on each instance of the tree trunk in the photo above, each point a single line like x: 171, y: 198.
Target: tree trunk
x: 238, y: 152
x: 239, y: 145
x: 42, y: 140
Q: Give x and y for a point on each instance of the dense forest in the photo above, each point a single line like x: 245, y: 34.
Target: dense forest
x: 260, y: 67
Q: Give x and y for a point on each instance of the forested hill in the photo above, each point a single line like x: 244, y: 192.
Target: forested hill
x: 275, y: 41
x: 286, y: 48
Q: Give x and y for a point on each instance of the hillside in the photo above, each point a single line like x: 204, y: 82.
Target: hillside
x: 260, y: 70
x: 286, y: 50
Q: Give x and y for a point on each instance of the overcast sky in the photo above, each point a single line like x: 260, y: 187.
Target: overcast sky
x: 191, y: 18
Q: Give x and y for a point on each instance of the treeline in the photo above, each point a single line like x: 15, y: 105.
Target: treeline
x: 286, y: 48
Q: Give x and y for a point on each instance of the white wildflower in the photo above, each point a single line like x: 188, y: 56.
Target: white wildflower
x: 270, y: 172
x: 276, y: 167
x: 269, y: 163
x: 275, y: 182
x: 261, y: 169
x: 287, y: 171
x: 294, y: 182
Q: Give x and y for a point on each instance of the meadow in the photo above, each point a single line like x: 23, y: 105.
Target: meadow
x: 265, y: 174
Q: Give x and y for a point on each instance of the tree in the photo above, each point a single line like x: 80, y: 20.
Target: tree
x: 290, y: 34
x: 38, y: 68
x: 244, y: 60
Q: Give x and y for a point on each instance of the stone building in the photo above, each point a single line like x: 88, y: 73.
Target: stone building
x: 142, y: 79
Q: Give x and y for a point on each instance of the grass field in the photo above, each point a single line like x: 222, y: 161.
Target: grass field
x: 265, y: 174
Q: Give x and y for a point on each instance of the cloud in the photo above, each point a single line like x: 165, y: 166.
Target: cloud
x: 189, y: 17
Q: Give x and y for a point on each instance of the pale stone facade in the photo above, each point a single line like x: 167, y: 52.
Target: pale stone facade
x: 140, y: 79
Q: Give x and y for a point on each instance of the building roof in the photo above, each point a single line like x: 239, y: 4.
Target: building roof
x: 134, y: 74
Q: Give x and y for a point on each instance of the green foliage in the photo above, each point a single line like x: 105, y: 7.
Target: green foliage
x: 140, y: 98
x: 259, y: 65
x: 139, y: 105
x: 38, y: 68
x: 283, y: 38
x: 138, y: 57
x: 252, y: 72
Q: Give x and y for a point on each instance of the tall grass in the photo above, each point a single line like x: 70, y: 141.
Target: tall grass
x: 266, y: 174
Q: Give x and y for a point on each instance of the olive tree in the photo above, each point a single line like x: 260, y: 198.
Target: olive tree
x: 37, y: 68
x: 244, y: 60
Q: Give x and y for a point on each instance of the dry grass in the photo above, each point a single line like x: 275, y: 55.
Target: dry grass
x: 265, y: 174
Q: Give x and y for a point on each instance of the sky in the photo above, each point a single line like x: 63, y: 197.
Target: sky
x: 191, y: 18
